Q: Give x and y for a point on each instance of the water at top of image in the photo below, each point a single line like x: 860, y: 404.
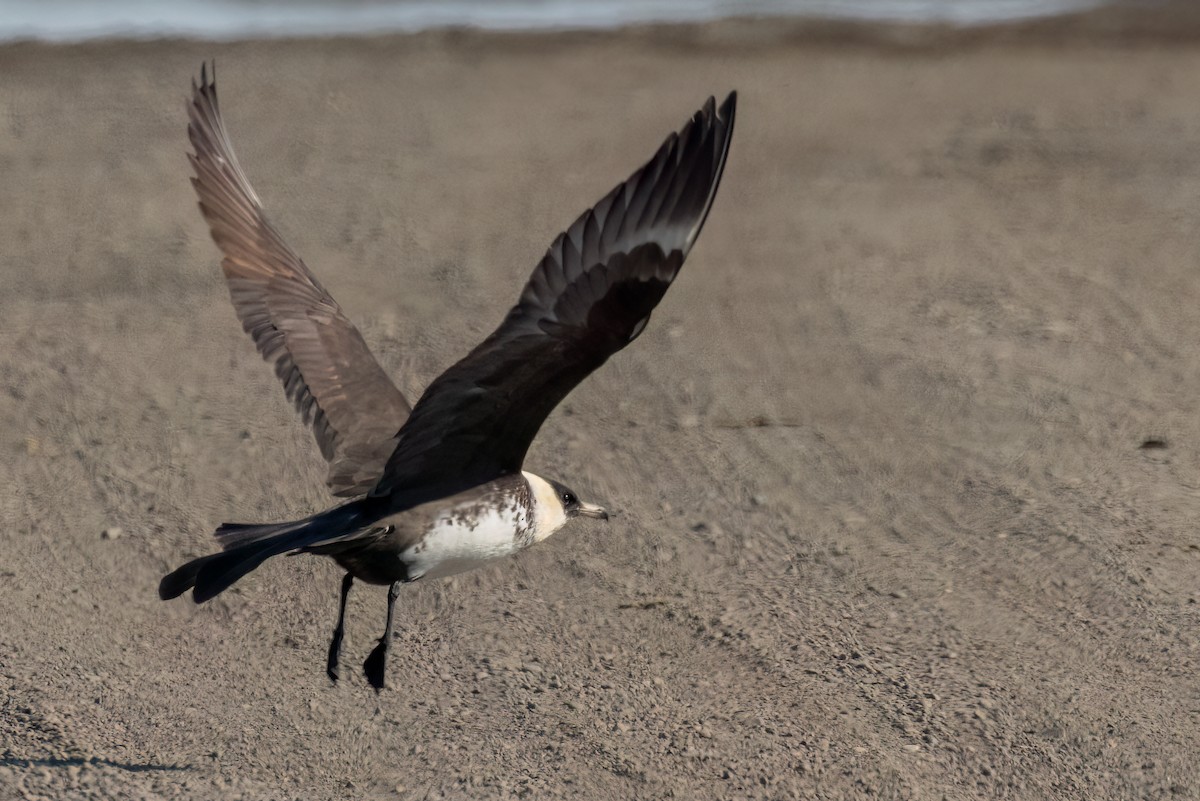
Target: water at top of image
x: 75, y: 20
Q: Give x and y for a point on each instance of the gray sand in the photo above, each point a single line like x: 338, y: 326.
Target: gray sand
x: 886, y: 529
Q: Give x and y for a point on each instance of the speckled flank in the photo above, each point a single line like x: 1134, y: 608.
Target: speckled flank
x: 466, y: 537
x: 486, y: 525
x: 508, y: 518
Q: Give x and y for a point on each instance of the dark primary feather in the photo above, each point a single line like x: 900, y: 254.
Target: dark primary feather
x: 321, y: 358
x: 590, y: 296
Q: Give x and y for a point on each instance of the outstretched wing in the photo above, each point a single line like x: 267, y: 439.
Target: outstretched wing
x: 321, y: 358
x: 590, y: 296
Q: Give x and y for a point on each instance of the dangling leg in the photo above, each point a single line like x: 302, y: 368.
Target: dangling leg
x: 335, y: 645
x: 376, y: 665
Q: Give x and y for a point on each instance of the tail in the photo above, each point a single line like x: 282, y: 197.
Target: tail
x: 245, y: 547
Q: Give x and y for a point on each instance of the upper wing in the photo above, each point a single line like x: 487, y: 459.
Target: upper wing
x: 321, y: 358
x: 590, y: 296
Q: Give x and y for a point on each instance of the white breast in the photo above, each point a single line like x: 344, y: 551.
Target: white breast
x: 465, y: 538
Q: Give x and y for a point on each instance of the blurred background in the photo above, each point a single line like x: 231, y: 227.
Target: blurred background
x: 70, y: 20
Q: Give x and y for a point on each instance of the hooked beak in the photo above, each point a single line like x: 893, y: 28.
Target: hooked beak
x: 592, y: 510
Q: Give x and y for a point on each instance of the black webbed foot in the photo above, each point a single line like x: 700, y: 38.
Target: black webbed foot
x: 375, y: 668
x: 335, y: 645
x: 335, y: 654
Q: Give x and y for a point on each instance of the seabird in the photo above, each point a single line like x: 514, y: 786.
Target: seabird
x: 438, y: 488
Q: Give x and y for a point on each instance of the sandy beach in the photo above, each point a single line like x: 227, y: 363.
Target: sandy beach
x: 907, y: 464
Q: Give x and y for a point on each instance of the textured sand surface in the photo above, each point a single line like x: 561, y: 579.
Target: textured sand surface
x: 886, y: 525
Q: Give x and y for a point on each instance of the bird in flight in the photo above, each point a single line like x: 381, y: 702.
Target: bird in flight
x: 438, y: 488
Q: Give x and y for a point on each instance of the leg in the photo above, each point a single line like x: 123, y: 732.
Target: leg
x: 335, y: 645
x: 376, y: 665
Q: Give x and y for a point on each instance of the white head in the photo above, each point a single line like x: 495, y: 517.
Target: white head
x: 554, y: 505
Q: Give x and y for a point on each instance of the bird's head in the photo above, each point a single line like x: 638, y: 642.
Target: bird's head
x: 573, y: 507
x: 555, y: 504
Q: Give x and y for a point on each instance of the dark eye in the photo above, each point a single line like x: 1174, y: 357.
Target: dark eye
x: 568, y: 498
